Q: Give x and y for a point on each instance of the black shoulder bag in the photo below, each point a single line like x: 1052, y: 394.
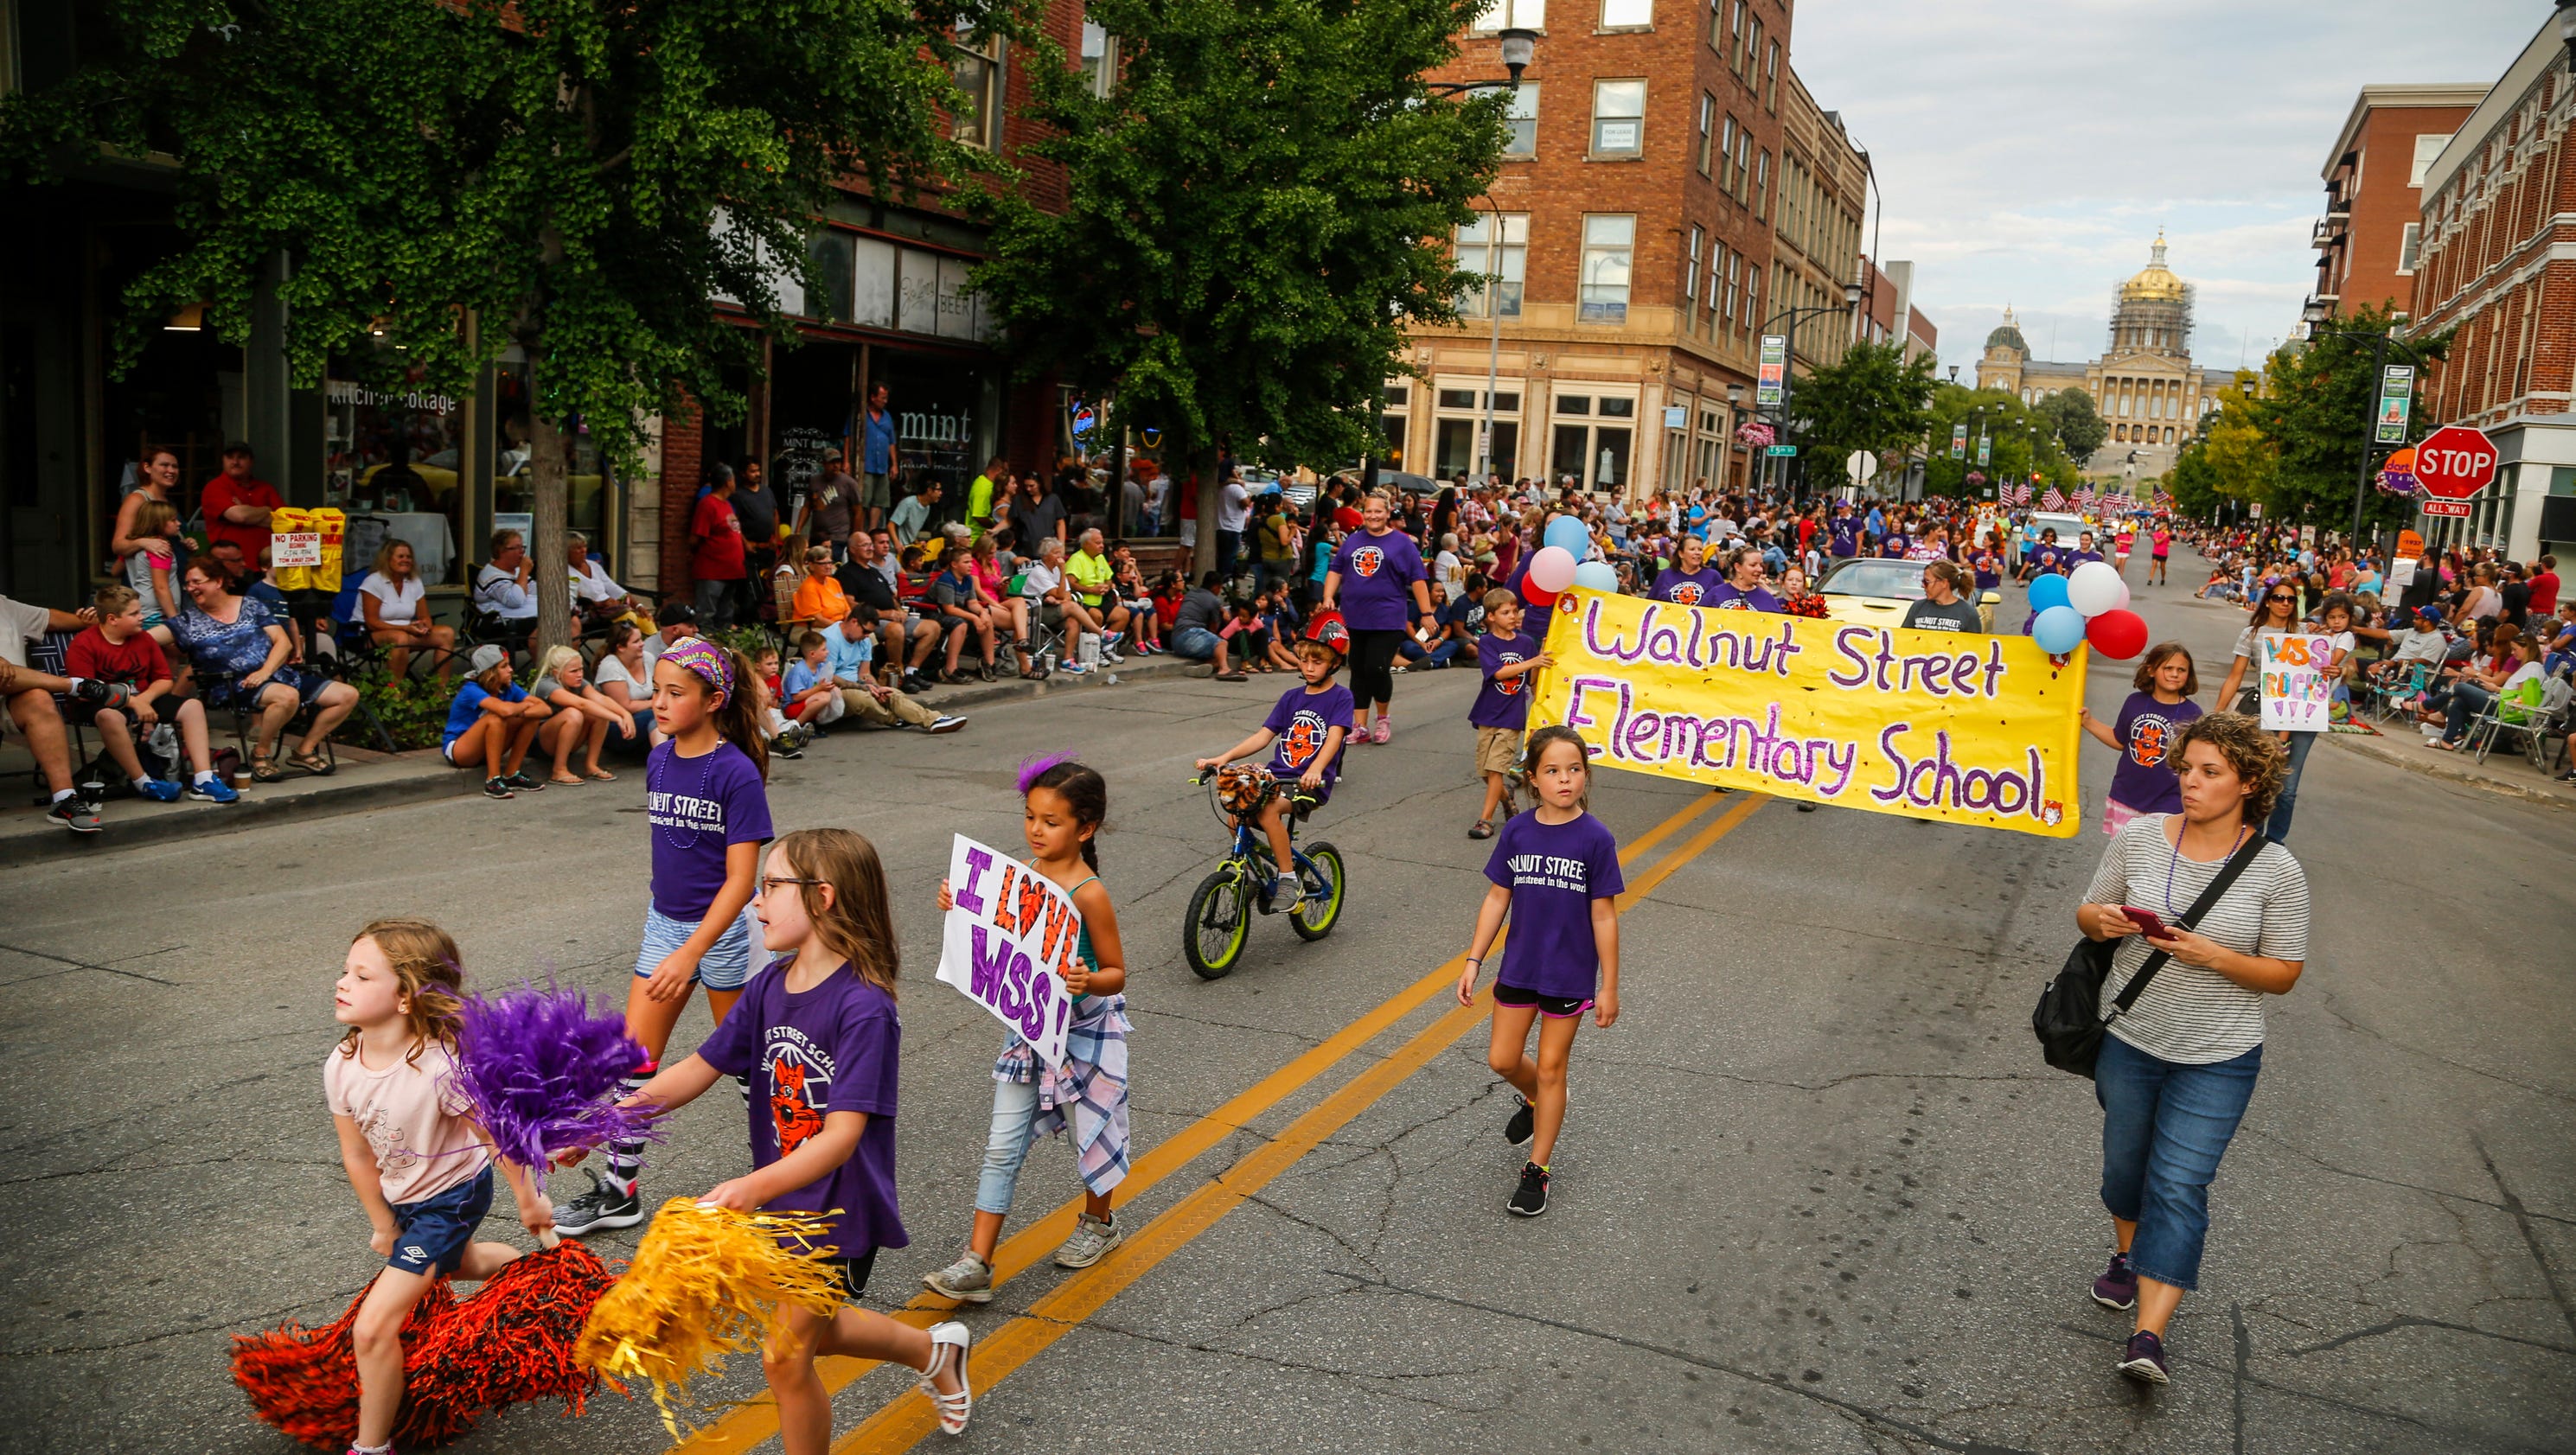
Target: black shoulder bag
x: 2069, y: 1017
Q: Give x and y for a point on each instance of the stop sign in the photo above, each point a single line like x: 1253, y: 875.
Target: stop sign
x: 2455, y: 462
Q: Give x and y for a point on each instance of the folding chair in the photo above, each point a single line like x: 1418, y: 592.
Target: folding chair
x: 50, y: 654
x: 2515, y: 711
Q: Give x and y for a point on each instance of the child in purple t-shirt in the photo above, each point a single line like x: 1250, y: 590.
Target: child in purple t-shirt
x: 1555, y: 872
x: 1506, y: 655
x: 817, y: 1037
x: 1305, y: 733
x: 2143, y: 735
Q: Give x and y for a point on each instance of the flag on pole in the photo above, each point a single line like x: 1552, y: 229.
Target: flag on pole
x: 2052, y: 500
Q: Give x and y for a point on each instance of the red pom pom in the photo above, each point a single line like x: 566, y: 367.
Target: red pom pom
x: 2118, y: 633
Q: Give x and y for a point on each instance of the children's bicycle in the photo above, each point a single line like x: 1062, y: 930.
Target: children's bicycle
x: 1247, y: 883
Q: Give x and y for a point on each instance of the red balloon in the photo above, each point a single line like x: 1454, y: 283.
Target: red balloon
x: 2118, y: 633
x: 1538, y: 596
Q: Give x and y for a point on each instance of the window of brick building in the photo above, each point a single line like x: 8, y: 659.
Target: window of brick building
x: 1609, y: 253
x: 1501, y: 254
x: 1627, y: 14
x: 1618, y: 118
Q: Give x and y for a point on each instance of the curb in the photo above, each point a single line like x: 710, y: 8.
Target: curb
x: 2446, y: 767
x: 176, y: 821
x: 951, y: 699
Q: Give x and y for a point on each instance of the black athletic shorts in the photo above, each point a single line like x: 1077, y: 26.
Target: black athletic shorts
x: 1554, y: 1007
x: 855, y: 1273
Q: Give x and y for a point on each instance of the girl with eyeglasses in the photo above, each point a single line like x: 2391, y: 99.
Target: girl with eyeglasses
x: 2276, y: 613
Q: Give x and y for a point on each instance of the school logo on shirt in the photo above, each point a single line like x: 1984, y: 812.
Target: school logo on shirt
x: 1685, y: 594
x: 2149, y: 736
x: 1511, y: 686
x: 1303, y: 740
x: 1367, y: 559
x: 800, y: 1086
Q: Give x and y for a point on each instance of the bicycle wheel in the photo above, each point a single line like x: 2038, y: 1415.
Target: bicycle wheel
x: 1219, y: 922
x: 1312, y: 921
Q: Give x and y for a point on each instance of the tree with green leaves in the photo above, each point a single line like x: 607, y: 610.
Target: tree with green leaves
x: 2315, y: 412
x: 2019, y: 442
x: 427, y: 185
x: 2079, y: 426
x: 1259, y: 204
x: 1873, y: 398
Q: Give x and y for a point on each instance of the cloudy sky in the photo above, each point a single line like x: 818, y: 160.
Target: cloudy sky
x: 2030, y: 148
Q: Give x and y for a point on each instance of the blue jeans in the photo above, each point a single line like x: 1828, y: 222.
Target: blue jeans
x: 2466, y: 701
x: 2164, y: 1127
x: 1015, y: 1117
x: 2277, y: 828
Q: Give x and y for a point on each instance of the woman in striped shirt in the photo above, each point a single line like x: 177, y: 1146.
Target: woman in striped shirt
x: 2178, y: 1067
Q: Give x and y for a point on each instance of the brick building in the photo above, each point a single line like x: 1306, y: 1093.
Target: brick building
x: 1659, y: 148
x: 2367, y: 241
x: 2498, y: 264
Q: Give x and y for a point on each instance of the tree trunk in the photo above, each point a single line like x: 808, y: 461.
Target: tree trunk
x: 547, y: 531
x: 1211, y: 492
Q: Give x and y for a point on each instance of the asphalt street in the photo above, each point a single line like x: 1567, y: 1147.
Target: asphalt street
x: 1816, y: 1192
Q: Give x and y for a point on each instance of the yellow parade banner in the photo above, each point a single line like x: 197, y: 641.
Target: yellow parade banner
x: 1927, y: 724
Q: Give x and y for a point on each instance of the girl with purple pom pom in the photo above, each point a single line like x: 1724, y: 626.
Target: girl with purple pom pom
x: 1064, y: 806
x: 419, y: 1164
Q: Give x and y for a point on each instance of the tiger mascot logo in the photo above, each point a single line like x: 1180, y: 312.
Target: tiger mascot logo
x: 1367, y: 559
x: 2150, y: 738
x: 1303, y: 740
x: 1686, y: 594
x: 791, y: 1111
x: 1510, y: 686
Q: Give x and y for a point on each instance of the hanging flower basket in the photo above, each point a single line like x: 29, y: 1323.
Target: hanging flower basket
x: 1755, y: 433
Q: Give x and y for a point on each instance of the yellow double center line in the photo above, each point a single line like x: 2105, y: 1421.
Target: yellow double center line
x: 906, y: 1419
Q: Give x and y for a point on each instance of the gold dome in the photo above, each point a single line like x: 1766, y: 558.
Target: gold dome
x: 2155, y: 282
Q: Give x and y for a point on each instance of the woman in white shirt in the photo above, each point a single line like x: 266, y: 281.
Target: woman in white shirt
x: 396, y: 603
x: 625, y: 677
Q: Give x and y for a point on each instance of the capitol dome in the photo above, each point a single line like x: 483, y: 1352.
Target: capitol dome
x: 2009, y: 336
x: 2155, y: 281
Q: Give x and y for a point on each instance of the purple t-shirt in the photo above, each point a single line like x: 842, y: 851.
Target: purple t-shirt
x: 696, y: 808
x: 1688, y: 588
x: 836, y: 1047
x: 1502, y: 702
x: 2146, y: 728
x: 1727, y: 598
x: 1843, y: 537
x: 1301, y: 720
x: 1554, y: 873
x: 1377, y: 576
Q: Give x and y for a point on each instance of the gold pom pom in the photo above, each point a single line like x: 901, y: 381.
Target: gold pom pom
x: 706, y: 1282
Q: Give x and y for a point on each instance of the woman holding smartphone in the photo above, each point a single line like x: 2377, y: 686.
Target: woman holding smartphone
x: 2176, y: 1070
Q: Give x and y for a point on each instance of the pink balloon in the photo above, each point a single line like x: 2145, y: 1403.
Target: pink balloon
x: 1552, y: 569
x: 2118, y: 633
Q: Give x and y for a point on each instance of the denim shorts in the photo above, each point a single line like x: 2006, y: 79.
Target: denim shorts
x: 725, y: 966
x: 434, y: 1231
x: 1194, y: 642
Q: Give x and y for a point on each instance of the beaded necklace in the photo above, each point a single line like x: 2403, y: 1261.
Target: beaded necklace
x: 706, y: 777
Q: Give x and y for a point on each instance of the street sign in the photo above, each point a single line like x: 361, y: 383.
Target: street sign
x: 1860, y: 466
x: 2460, y: 508
x: 2396, y: 396
x: 2455, y: 462
x: 1768, y: 389
x: 1959, y: 441
x: 1781, y: 450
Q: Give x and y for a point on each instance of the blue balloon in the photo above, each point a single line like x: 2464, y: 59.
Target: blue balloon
x: 2059, y: 629
x: 1568, y: 533
x: 1596, y: 576
x: 2047, y: 591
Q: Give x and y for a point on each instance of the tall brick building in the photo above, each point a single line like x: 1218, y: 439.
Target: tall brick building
x: 1669, y: 186
x: 2368, y: 240
x: 2498, y: 264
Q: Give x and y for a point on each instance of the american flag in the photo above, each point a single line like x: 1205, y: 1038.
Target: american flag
x: 2052, y: 500
x: 2021, y: 493
x: 2084, y: 498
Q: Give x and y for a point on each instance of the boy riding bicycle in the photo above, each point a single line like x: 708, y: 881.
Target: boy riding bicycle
x: 1308, y: 726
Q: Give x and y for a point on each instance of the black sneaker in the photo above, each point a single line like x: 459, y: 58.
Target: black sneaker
x: 523, y: 783
x: 2144, y: 1359
x: 1530, y: 1198
x: 76, y: 813
x: 786, y: 748
x: 1522, y: 1127
x: 497, y: 788
x: 598, y: 1210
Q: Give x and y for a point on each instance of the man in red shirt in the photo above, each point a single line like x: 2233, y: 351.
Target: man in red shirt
x: 2544, y: 587
x: 716, y: 552
x: 237, y: 505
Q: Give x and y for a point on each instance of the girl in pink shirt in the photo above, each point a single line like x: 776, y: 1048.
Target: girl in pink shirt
x: 421, y: 1170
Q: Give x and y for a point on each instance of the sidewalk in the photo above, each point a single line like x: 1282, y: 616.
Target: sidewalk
x: 2505, y: 771
x: 370, y: 780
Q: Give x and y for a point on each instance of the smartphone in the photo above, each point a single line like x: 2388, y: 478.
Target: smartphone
x: 2147, y: 922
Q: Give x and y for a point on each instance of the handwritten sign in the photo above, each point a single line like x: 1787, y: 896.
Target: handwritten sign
x: 2297, y: 695
x: 1964, y: 728
x: 295, y: 548
x: 1007, y: 941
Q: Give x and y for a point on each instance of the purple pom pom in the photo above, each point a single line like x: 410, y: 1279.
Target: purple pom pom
x: 1032, y: 769
x: 542, y: 1073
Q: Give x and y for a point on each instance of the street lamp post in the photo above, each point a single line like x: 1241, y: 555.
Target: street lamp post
x: 1519, y: 48
x: 1789, y: 361
x: 2315, y: 314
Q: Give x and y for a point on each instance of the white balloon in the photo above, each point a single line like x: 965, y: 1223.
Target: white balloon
x: 2094, y: 588
x: 1596, y: 576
